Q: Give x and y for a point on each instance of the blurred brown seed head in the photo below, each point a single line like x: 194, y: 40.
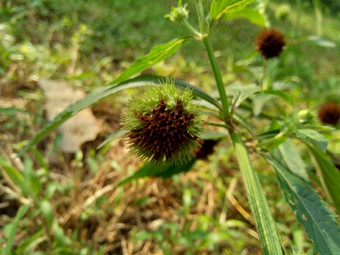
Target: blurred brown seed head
x: 329, y: 113
x: 270, y: 43
x: 206, y: 149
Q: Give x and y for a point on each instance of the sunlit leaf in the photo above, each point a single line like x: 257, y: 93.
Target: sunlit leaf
x: 253, y: 15
x: 309, y: 210
x: 220, y: 7
x: 156, y: 55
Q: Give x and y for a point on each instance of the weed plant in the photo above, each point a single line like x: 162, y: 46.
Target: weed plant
x: 173, y: 125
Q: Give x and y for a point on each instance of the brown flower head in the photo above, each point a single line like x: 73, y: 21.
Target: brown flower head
x: 164, y: 125
x: 206, y: 149
x: 329, y: 113
x: 270, y: 43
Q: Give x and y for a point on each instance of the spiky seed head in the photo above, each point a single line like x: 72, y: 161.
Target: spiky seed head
x: 164, y: 125
x: 329, y: 113
x: 270, y: 43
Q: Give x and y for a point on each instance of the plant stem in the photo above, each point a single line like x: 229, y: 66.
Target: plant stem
x: 191, y: 28
x: 269, y: 238
x: 218, y: 78
x: 200, y: 14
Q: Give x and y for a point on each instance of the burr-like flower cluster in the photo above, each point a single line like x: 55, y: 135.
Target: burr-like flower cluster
x: 164, y: 125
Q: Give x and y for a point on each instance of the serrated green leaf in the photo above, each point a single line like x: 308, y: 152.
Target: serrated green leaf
x: 309, y: 210
x: 220, y: 7
x: 254, y: 16
x: 155, y: 170
x: 312, y: 137
x: 156, y: 55
x: 284, y: 95
x: 329, y: 174
x: 13, y: 228
x: 290, y: 156
x: 269, y: 238
x: 103, y: 92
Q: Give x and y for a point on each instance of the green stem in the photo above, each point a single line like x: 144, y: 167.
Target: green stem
x: 200, y: 14
x: 191, y: 28
x: 269, y: 238
x: 218, y: 78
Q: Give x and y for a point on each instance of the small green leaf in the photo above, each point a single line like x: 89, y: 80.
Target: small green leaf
x: 330, y: 175
x: 47, y: 211
x: 31, y: 177
x: 13, y: 228
x: 103, y: 92
x: 312, y: 137
x: 309, y: 210
x: 269, y: 238
x: 284, y: 95
x: 16, y: 176
x: 156, y: 55
x: 220, y: 7
x: 254, y: 16
x: 214, y: 238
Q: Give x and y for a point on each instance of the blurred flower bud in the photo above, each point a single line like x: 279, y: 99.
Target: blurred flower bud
x: 270, y: 43
x: 178, y: 14
x: 329, y: 113
x: 305, y: 116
